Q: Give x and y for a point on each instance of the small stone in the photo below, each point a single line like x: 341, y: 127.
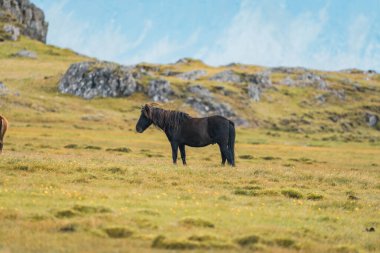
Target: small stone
x: 26, y: 54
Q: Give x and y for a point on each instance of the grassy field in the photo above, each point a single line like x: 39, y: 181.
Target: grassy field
x: 76, y: 177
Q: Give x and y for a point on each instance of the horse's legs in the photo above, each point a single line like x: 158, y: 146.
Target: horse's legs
x: 183, y: 153
x: 174, y: 151
x: 224, y: 153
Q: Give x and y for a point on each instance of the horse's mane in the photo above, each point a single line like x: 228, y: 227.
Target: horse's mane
x: 165, y: 119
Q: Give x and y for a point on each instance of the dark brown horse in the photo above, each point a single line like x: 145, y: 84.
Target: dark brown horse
x: 3, y: 129
x: 181, y: 130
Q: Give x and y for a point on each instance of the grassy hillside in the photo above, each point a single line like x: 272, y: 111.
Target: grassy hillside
x: 75, y: 177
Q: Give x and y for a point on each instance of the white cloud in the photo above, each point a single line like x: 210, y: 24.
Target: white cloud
x: 267, y: 34
x: 165, y: 50
x: 107, y: 42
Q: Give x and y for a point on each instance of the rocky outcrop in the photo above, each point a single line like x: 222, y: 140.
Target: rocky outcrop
x: 192, y: 75
x: 306, y: 79
x: 159, y: 90
x: 254, y: 92
x: 92, y: 79
x: 205, y: 104
x: 309, y: 79
x: 12, y: 31
x: 256, y: 84
x: 228, y: 76
x: 30, y: 17
x: 288, y: 70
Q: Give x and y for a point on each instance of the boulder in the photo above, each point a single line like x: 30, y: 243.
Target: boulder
x: 228, y: 76
x: 261, y: 79
x: 288, y: 70
x: 288, y: 81
x: 199, y: 90
x: 340, y: 94
x: 192, y: 75
x: 13, y: 31
x: 371, y: 119
x: 206, y: 105
x: 26, y: 54
x: 159, y: 90
x: 29, y: 16
x: 321, y: 99
x: 256, y: 84
x: 94, y: 79
x: 311, y: 79
x: 254, y: 92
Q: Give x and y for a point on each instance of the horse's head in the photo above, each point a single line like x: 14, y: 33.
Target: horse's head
x: 145, y: 119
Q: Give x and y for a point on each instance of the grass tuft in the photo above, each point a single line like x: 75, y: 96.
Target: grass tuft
x: 67, y: 213
x: 246, y: 157
x: 123, y: 150
x: 248, y: 240
x: 91, y: 209
x: 293, y: 194
x: 196, y: 222
x: 118, y: 232
x: 285, y: 242
x: 314, y: 196
x: 160, y: 242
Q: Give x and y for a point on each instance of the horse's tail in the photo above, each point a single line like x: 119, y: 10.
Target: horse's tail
x: 3, y: 129
x: 231, y: 142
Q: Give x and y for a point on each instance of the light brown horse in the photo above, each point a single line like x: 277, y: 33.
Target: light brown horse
x: 3, y: 129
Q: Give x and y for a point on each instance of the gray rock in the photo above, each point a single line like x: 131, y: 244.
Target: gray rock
x: 254, y: 92
x: 98, y: 79
x: 159, y: 90
x: 371, y: 119
x: 256, y: 84
x: 29, y: 16
x: 288, y: 81
x: 288, y: 70
x: 192, y: 75
x: 3, y: 89
x: 205, y: 104
x: 229, y: 76
x: 321, y: 98
x: 171, y: 73
x: 340, y: 94
x: 352, y: 71
x: 13, y: 31
x: 187, y: 61
x: 311, y: 79
x: 199, y: 91
x: 261, y: 79
x: 26, y: 54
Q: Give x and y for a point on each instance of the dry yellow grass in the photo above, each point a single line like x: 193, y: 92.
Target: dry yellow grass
x: 62, y: 191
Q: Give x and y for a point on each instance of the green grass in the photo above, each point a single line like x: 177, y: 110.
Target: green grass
x: 62, y: 191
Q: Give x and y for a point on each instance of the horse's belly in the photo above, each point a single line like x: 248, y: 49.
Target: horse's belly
x: 198, y: 142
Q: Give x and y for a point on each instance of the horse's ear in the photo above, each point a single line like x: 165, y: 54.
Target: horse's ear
x: 146, y: 110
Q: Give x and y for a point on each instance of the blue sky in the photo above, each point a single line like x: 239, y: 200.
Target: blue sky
x: 322, y: 34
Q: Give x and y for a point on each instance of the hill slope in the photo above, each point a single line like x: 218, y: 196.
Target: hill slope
x: 74, y: 175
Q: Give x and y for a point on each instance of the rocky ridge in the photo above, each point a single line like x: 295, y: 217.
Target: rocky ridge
x: 214, y: 93
x: 22, y: 17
